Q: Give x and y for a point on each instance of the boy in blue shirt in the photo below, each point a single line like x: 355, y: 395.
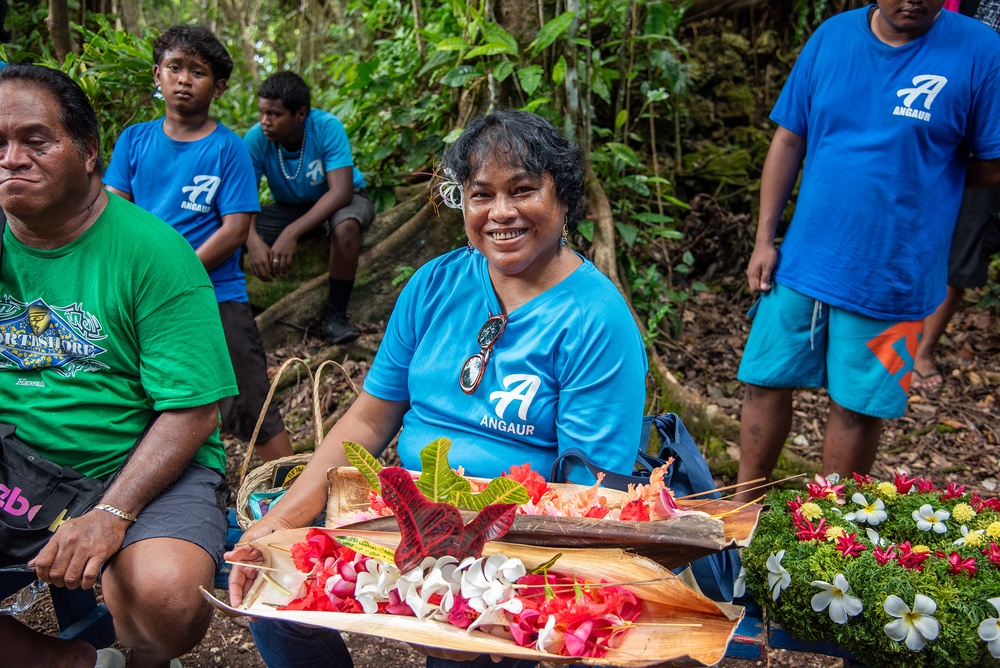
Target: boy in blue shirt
x: 307, y: 159
x: 195, y: 174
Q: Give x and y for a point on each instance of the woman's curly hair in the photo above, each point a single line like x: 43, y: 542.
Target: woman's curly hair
x: 526, y: 141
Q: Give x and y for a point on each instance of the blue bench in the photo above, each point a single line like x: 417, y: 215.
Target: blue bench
x: 77, y: 611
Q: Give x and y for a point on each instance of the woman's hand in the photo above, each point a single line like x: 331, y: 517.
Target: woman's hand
x: 242, y: 577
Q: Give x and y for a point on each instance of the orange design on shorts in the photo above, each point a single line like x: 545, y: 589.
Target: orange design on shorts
x: 883, y: 347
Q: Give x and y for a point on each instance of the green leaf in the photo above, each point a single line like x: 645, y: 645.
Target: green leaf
x: 502, y: 70
x: 437, y: 59
x: 490, y: 49
x: 453, y: 136
x: 500, y: 490
x: 494, y: 33
x: 551, y: 31
x: 364, y: 462
x: 666, y: 233
x: 687, y: 258
x: 600, y: 86
x: 536, y: 103
x: 529, y: 77
x: 460, y: 76
x: 624, y: 153
x: 651, y: 217
x: 637, y: 182
x: 541, y: 568
x: 559, y: 70
x: 698, y: 286
x: 437, y: 481
x: 586, y: 230
x: 629, y: 233
x: 367, y: 548
x: 452, y: 44
x: 621, y: 119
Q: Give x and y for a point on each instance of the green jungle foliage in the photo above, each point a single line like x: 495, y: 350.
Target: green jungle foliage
x: 665, y: 111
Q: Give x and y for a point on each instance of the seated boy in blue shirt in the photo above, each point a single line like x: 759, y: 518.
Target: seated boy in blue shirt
x: 307, y: 159
x: 195, y: 174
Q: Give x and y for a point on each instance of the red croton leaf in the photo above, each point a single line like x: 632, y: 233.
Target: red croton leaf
x: 435, y: 529
x: 426, y: 529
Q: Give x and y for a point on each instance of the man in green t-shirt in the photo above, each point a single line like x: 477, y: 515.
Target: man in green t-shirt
x: 108, y: 323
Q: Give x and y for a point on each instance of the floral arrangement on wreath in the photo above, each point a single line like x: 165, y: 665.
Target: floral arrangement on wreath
x: 437, y: 572
x: 896, y: 572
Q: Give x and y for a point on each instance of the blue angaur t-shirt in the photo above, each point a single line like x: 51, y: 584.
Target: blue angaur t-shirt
x: 888, y: 133
x: 568, y: 371
x: 327, y: 148
x: 191, y: 186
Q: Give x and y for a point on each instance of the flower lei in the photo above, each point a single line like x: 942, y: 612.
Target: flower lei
x: 893, y: 571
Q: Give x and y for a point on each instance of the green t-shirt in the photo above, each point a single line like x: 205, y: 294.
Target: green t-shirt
x: 97, y: 335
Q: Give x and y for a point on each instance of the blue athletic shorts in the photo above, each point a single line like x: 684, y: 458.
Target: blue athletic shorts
x: 797, y: 341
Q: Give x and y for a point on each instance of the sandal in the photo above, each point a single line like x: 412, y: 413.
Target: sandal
x: 930, y: 382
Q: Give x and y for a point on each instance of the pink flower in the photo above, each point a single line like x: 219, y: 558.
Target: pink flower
x: 884, y: 555
x: 862, y: 479
x: 821, y: 488
x: 794, y: 504
x: 907, y: 558
x: 849, y: 545
x: 926, y: 485
x: 953, y: 491
x: 903, y: 484
x: 809, y: 533
x: 993, y: 554
x: 959, y: 565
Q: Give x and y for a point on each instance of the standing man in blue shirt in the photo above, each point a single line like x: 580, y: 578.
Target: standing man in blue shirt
x: 307, y: 159
x: 880, y: 113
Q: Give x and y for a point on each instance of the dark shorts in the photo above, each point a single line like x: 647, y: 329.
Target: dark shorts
x: 273, y: 218
x: 192, y: 509
x: 976, y: 238
x: 240, y: 413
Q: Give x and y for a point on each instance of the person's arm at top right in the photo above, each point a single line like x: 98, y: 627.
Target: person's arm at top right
x: 340, y: 191
x: 371, y: 422
x: 983, y: 173
x: 781, y: 168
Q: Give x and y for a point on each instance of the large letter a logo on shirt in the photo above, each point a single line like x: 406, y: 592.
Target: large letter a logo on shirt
x: 525, y: 386
x: 203, y: 184
x: 923, y: 84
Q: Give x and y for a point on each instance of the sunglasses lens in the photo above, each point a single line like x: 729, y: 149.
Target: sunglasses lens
x: 472, y: 373
x: 491, y: 331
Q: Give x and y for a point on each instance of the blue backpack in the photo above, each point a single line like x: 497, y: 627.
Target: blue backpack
x: 689, y: 474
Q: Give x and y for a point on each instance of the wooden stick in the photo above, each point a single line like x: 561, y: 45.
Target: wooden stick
x: 736, y: 510
x: 749, y: 489
x: 259, y: 567
x: 719, y: 489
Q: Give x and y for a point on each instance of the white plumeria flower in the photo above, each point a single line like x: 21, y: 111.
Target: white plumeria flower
x: 965, y: 534
x: 916, y: 627
x: 374, y: 584
x: 835, y: 597
x: 875, y: 538
x: 833, y: 478
x: 989, y: 629
x: 549, y: 639
x: 778, y: 578
x: 927, y: 518
x: 740, y: 584
x: 869, y: 513
x: 488, y: 581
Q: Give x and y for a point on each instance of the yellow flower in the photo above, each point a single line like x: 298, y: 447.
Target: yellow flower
x: 993, y: 530
x: 831, y: 496
x: 833, y: 533
x: 886, y: 491
x: 921, y: 548
x: 973, y: 539
x: 811, y: 511
x: 963, y: 512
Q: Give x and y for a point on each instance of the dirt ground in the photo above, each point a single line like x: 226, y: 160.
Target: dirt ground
x: 950, y: 435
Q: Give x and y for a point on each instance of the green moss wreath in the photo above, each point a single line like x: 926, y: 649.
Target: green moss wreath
x: 898, y: 573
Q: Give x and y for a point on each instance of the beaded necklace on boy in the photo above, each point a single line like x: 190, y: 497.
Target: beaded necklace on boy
x: 302, y: 158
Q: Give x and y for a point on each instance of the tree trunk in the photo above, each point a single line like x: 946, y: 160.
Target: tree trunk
x: 58, y: 24
x: 130, y: 16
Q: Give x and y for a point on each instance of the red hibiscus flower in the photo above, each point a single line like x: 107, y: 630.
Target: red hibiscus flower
x: 635, y: 511
x: 849, y: 546
x: 925, y: 485
x: 316, y: 548
x: 532, y: 481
